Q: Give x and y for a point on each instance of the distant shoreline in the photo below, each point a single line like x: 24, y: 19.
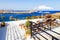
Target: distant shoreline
x: 15, y: 13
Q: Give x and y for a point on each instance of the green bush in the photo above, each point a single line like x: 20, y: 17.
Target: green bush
x: 27, y: 24
x: 28, y: 31
x: 28, y: 17
x: 59, y: 17
x: 2, y: 18
x: 33, y: 17
x: 2, y: 24
x: 12, y: 19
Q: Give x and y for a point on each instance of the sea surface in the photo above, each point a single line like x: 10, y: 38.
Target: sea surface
x: 23, y: 16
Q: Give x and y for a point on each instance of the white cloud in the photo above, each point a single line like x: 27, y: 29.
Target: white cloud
x: 43, y: 7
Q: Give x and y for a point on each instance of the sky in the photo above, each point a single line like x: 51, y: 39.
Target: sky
x: 28, y: 4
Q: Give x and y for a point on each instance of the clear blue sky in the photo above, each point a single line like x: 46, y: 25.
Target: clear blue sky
x: 28, y: 4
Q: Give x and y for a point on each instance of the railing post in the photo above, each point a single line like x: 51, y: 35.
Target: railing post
x: 52, y: 38
x: 31, y: 28
x: 50, y: 25
x: 31, y: 31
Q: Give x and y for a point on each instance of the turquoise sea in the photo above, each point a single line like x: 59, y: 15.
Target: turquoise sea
x: 23, y: 16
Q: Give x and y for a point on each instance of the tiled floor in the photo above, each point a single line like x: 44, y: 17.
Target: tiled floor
x: 14, y: 32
